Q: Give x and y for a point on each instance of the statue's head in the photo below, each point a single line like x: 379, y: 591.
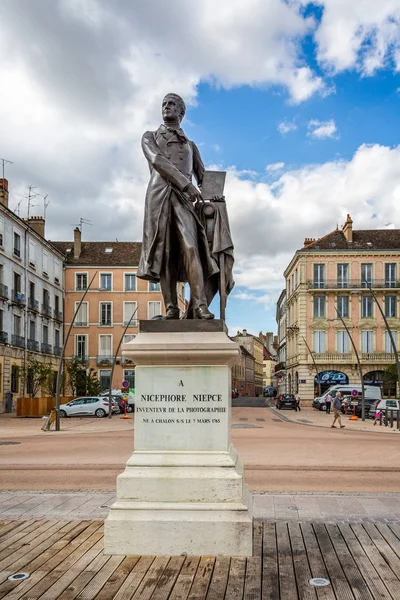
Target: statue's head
x: 173, y: 107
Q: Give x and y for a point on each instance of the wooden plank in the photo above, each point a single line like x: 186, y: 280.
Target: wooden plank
x: 219, y: 579
x: 389, y: 555
x: 19, y: 529
x: 335, y: 572
x: 366, y: 568
x: 270, y: 579
x: 237, y: 574
x: 202, y: 579
x: 384, y: 571
x: 184, y: 582
x: 8, y: 526
x: 132, y: 582
x: 287, y: 579
x: 316, y: 562
x: 252, y: 583
x: 257, y: 538
x: 300, y: 562
x: 390, y: 537
x: 150, y: 580
x: 354, y: 577
x: 83, y: 577
x: 96, y: 584
x: 117, y: 578
x: 168, y: 578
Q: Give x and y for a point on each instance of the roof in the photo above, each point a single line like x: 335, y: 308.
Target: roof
x: 363, y: 239
x: 94, y: 253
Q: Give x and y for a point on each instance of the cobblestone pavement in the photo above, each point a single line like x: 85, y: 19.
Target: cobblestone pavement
x: 330, y: 508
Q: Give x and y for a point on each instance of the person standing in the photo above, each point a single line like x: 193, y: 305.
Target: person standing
x: 328, y: 402
x: 297, y: 398
x: 337, y: 403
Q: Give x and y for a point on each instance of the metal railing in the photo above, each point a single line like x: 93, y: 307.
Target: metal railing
x: 351, y: 284
x: 389, y: 417
x: 47, y: 348
x: 58, y: 315
x: 46, y: 310
x: 33, y: 304
x: 104, y: 360
x: 3, y: 291
x: 57, y: 350
x: 81, y: 323
x: 84, y: 359
x: 3, y: 337
x: 133, y: 323
x: 127, y: 361
x: 280, y: 367
x: 32, y: 345
x: 17, y: 340
x: 18, y: 298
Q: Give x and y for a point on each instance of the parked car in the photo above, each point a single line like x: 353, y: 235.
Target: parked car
x: 372, y: 392
x: 119, y: 397
x: 286, y: 401
x: 388, y: 405
x: 351, y: 406
x: 89, y: 406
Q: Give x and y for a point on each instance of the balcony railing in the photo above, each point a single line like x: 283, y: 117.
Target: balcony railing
x: 352, y: 284
x: 18, y: 298
x: 3, y: 337
x: 3, y: 291
x: 33, y: 345
x: 81, y: 323
x: 47, y: 348
x: 350, y: 357
x: 58, y: 315
x: 83, y: 359
x: 280, y: 367
x: 33, y: 304
x: 133, y: 323
x: 378, y: 357
x: 57, y: 350
x: 127, y: 361
x: 105, y: 323
x: 104, y: 360
x: 17, y: 340
x: 46, y: 310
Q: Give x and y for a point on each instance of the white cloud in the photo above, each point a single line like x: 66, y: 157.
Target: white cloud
x: 275, y: 166
x: 322, y: 129
x: 286, y: 126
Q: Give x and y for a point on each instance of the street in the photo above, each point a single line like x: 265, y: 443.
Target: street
x: 278, y: 455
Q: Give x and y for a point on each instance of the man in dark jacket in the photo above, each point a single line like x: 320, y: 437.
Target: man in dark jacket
x: 175, y: 245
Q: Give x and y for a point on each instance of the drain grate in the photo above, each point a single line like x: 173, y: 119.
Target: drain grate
x: 246, y: 426
x: 9, y: 443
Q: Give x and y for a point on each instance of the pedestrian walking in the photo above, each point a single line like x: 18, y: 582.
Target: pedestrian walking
x: 328, y: 402
x: 377, y: 415
x: 297, y: 398
x: 336, y: 411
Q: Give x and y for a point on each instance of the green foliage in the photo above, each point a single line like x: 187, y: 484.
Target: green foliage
x: 36, y: 375
x: 390, y: 374
x: 81, y: 382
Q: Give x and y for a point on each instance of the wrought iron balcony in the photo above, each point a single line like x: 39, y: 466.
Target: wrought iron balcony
x: 3, y: 291
x: 46, y: 348
x: 57, y: 350
x: 33, y: 345
x: 133, y: 323
x: 46, y: 310
x: 3, y: 337
x: 352, y: 284
x: 81, y: 323
x: 280, y: 366
x: 18, y: 298
x: 58, y: 315
x: 33, y: 304
x: 104, y: 360
x: 105, y: 323
x: 83, y: 359
x: 18, y: 340
x: 127, y: 361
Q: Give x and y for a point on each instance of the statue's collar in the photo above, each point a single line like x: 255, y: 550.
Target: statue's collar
x: 164, y: 129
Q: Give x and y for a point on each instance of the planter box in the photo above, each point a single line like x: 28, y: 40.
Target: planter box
x: 34, y: 407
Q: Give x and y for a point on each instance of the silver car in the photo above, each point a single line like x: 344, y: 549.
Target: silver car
x: 93, y: 406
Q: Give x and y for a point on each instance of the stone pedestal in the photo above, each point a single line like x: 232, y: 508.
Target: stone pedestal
x: 183, y: 489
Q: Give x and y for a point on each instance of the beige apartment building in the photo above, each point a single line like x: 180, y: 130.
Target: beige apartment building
x: 331, y: 274
x: 114, y: 296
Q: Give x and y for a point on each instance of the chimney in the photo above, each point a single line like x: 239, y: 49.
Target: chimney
x: 348, y: 229
x: 4, y: 192
x: 77, y: 242
x: 37, y: 223
x: 308, y: 241
x: 244, y: 332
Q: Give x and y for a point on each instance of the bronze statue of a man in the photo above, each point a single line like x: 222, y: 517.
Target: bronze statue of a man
x: 175, y: 246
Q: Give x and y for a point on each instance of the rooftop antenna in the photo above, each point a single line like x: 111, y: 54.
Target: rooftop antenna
x: 30, y: 198
x: 82, y: 221
x: 5, y: 162
x: 18, y: 207
x: 45, y: 205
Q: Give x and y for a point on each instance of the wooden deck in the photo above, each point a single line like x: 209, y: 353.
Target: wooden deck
x: 65, y: 561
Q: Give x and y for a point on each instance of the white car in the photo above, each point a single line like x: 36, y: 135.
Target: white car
x: 88, y: 406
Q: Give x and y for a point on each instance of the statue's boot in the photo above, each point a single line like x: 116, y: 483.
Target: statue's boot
x: 203, y: 313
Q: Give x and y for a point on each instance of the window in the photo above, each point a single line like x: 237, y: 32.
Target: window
x: 367, y: 341
x: 319, y: 341
x: 130, y: 282
x: 343, y: 344
x: 105, y: 379
x: 105, y: 345
x: 56, y: 303
x: 81, y: 319
x: 45, y: 334
x: 129, y: 311
x: 319, y: 307
x: 14, y: 378
x: 1, y: 231
x: 128, y: 337
x: 17, y: 325
x: 343, y: 275
x: 1, y: 273
x: 106, y: 281
x: 81, y: 346
x: 81, y: 282
x: 319, y: 276
x: 57, y: 271
x: 31, y: 290
x: 388, y: 341
x: 366, y: 307
x: 343, y: 306
x: 154, y: 286
x: 366, y: 275
x: 45, y: 263
x: 105, y: 314
x: 57, y: 338
x: 32, y: 330
x: 390, y: 306
x: 1, y: 320
x: 153, y: 309
x: 32, y: 253
x: 129, y: 375
x: 17, y: 244
x: 297, y: 277
x: 46, y: 298
x: 17, y: 285
x: 390, y: 275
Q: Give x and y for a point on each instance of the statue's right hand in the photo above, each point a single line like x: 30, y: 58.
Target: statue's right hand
x: 193, y: 193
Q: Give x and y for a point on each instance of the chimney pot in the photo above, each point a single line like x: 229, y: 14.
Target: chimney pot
x: 38, y: 224
x: 77, y: 242
x: 348, y: 229
x: 4, y: 192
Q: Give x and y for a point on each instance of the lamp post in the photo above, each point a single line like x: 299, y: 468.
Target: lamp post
x: 315, y: 365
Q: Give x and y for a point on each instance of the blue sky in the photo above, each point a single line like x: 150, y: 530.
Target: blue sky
x: 297, y: 100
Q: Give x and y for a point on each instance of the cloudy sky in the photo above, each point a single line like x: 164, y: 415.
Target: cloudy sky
x: 299, y: 101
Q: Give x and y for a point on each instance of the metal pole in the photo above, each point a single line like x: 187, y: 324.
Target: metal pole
x: 359, y: 366
x: 60, y: 365
x: 315, y: 365
x: 396, y: 356
x: 115, y: 359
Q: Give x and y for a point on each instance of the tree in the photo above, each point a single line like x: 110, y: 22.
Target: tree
x: 81, y: 382
x: 390, y: 378
x: 36, y: 375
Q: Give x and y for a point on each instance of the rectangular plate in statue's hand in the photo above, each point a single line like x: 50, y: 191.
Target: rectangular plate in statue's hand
x: 213, y: 184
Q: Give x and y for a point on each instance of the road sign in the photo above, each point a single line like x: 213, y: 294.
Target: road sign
x: 125, y: 384
x: 354, y: 393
